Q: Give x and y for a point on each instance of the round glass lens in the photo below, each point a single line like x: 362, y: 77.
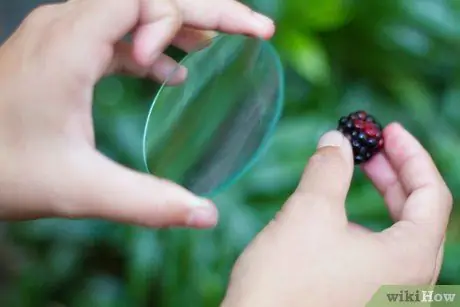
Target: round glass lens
x: 206, y: 132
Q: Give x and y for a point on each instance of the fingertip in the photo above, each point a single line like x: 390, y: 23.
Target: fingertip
x: 400, y: 144
x: 268, y: 32
x: 264, y: 26
x: 392, y: 129
x: 165, y: 69
x: 204, y: 214
x: 335, y: 138
x: 395, y: 125
x: 178, y: 77
x: 263, y: 19
x: 395, y: 133
x: 177, y: 206
x: 331, y: 139
x: 123, y: 195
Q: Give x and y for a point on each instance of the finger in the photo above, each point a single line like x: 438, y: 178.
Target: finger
x: 111, y: 20
x: 190, y: 40
x: 112, y: 192
x: 163, y: 69
x: 199, y: 14
x: 156, y: 22
x: 226, y: 16
x: 327, y: 177
x: 160, y: 20
x: 429, y: 201
x: 385, y: 179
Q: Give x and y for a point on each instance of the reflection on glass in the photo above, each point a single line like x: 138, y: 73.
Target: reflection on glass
x: 206, y: 132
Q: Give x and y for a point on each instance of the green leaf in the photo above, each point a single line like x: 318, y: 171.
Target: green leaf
x: 306, y: 55
x: 320, y: 15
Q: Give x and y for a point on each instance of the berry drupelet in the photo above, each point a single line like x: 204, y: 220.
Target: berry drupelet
x: 364, y: 133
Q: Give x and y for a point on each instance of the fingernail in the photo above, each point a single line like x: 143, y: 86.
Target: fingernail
x: 177, y: 75
x: 264, y: 20
x: 396, y: 125
x: 262, y: 23
x: 172, y: 73
x: 203, y: 214
x: 337, y: 139
x: 331, y: 139
x: 210, y: 34
x: 207, y: 39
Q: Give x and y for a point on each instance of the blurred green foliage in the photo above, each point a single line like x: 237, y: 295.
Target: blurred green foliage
x: 397, y: 59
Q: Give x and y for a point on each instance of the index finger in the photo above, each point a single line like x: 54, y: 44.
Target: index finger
x: 158, y: 20
x: 228, y: 16
x: 429, y: 201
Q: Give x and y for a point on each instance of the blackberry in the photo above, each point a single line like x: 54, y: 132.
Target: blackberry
x: 364, y: 134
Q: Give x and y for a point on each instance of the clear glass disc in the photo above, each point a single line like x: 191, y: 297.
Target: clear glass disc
x: 206, y: 132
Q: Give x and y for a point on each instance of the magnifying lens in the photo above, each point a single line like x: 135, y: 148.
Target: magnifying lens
x: 208, y: 131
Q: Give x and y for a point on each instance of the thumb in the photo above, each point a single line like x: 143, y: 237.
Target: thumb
x: 326, y: 180
x: 106, y: 190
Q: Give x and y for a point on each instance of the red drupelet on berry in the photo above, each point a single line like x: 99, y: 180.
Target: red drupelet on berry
x: 364, y: 133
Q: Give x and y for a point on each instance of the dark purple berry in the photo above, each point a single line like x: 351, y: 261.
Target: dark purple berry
x: 364, y: 133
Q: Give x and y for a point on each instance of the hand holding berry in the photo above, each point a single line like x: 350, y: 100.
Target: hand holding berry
x: 311, y: 255
x: 50, y: 166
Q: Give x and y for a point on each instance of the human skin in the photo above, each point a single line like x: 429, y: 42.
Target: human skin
x: 311, y: 255
x: 50, y: 167
x: 48, y: 70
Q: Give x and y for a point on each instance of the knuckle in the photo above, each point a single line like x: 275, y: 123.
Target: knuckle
x: 40, y: 15
x: 128, y: 9
x: 173, y: 15
x: 176, y: 19
x: 66, y: 207
x: 47, y: 32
